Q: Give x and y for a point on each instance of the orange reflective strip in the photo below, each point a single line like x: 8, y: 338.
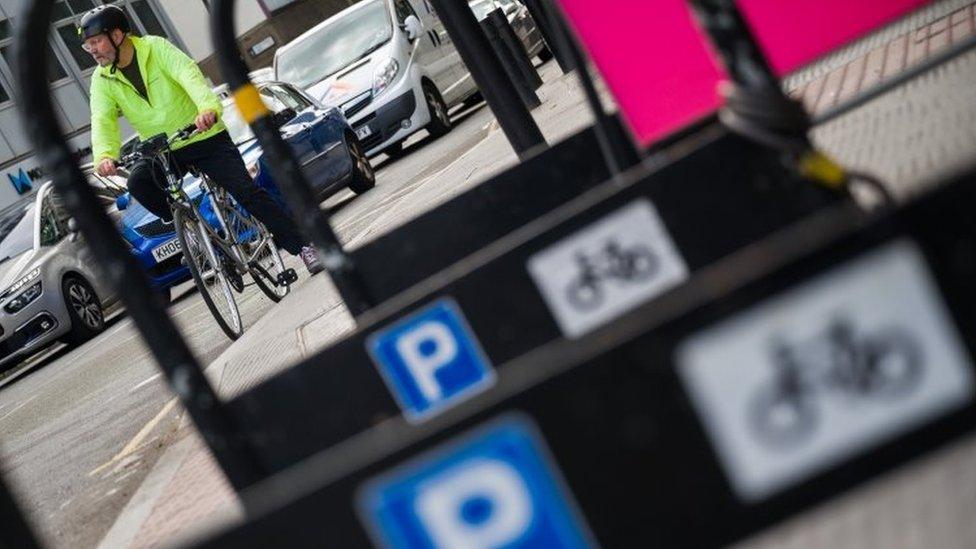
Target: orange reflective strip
x: 249, y: 102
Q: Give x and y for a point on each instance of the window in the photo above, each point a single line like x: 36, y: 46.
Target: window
x: 272, y: 101
x: 403, y: 10
x: 55, y: 70
x: 68, y: 12
x: 66, y: 8
x: 81, y: 6
x: 290, y: 98
x: 51, y: 232
x: 148, y: 18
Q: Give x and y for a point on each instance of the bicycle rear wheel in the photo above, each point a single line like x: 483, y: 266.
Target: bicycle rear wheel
x: 208, y: 273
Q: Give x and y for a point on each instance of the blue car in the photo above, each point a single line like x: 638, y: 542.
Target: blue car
x: 320, y: 137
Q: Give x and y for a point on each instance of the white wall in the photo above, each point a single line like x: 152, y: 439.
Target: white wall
x: 192, y: 22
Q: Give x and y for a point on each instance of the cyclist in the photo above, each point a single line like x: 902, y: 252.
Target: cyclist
x: 160, y: 89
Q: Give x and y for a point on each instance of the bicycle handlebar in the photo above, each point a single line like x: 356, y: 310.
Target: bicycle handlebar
x: 185, y: 133
x: 156, y: 144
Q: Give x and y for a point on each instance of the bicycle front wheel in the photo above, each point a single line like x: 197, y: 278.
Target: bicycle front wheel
x: 208, y: 273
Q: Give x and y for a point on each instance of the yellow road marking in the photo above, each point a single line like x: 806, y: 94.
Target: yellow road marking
x: 136, y: 440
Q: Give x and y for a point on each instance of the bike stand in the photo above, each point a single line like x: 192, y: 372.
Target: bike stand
x: 718, y: 194
x: 638, y: 432
x: 482, y: 215
x: 503, y: 326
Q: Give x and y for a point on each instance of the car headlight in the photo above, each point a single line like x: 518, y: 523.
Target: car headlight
x: 24, y: 298
x: 25, y: 280
x: 384, y: 75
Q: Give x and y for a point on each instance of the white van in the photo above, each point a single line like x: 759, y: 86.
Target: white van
x: 388, y: 64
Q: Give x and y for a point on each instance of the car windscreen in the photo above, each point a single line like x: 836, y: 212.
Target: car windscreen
x: 236, y: 126
x: 335, y: 46
x: 16, y: 233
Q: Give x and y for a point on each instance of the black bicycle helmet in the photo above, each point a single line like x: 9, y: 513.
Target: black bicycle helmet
x: 103, y: 20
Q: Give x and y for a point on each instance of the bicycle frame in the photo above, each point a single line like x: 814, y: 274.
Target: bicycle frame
x: 227, y: 237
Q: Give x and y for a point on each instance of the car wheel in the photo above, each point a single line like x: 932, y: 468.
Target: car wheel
x: 363, y: 176
x: 440, y: 120
x: 84, y: 309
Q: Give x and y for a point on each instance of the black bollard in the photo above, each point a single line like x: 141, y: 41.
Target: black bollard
x: 515, y: 46
x: 548, y: 29
x: 486, y: 69
x: 510, y: 63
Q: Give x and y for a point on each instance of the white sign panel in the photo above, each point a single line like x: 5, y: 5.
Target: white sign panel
x: 608, y: 268
x: 812, y: 377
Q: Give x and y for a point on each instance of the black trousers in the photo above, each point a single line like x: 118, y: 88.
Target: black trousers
x: 218, y: 158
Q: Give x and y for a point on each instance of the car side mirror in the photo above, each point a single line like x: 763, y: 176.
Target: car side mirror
x: 413, y: 27
x: 122, y: 201
x: 283, y: 117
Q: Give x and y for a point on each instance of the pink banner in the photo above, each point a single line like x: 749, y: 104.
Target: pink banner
x: 793, y: 33
x: 652, y: 57
x: 657, y: 64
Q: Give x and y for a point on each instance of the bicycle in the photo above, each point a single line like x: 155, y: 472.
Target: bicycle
x: 634, y: 264
x: 221, y: 242
x: 885, y: 365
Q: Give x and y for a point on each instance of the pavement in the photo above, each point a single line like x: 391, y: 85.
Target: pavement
x: 908, y: 137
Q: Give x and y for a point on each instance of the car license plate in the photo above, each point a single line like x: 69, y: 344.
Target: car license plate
x: 167, y: 250
x: 363, y: 132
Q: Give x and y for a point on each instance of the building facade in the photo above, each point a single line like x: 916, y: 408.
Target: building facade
x: 261, y: 25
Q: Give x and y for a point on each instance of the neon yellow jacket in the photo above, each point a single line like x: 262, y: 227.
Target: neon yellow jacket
x: 177, y: 92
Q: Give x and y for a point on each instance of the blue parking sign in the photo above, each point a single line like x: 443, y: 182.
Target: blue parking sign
x: 431, y: 360
x: 494, y: 488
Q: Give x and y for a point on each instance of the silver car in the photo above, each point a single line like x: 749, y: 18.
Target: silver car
x: 49, y: 289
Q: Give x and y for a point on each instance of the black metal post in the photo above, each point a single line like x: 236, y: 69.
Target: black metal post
x: 549, y: 29
x: 515, y: 76
x: 755, y: 104
x: 182, y: 370
x: 516, y: 121
x: 757, y: 108
x: 618, y: 152
x: 287, y: 173
x: 516, y: 48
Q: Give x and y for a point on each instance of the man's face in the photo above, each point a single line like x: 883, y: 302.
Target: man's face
x: 101, y: 49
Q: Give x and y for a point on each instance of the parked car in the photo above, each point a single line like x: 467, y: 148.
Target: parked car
x: 49, y: 289
x: 522, y: 23
x: 329, y: 152
x: 388, y: 64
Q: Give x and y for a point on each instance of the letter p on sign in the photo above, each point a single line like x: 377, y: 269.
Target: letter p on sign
x: 430, y: 360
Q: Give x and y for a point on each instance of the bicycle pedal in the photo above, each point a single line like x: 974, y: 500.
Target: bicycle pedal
x: 287, y: 277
